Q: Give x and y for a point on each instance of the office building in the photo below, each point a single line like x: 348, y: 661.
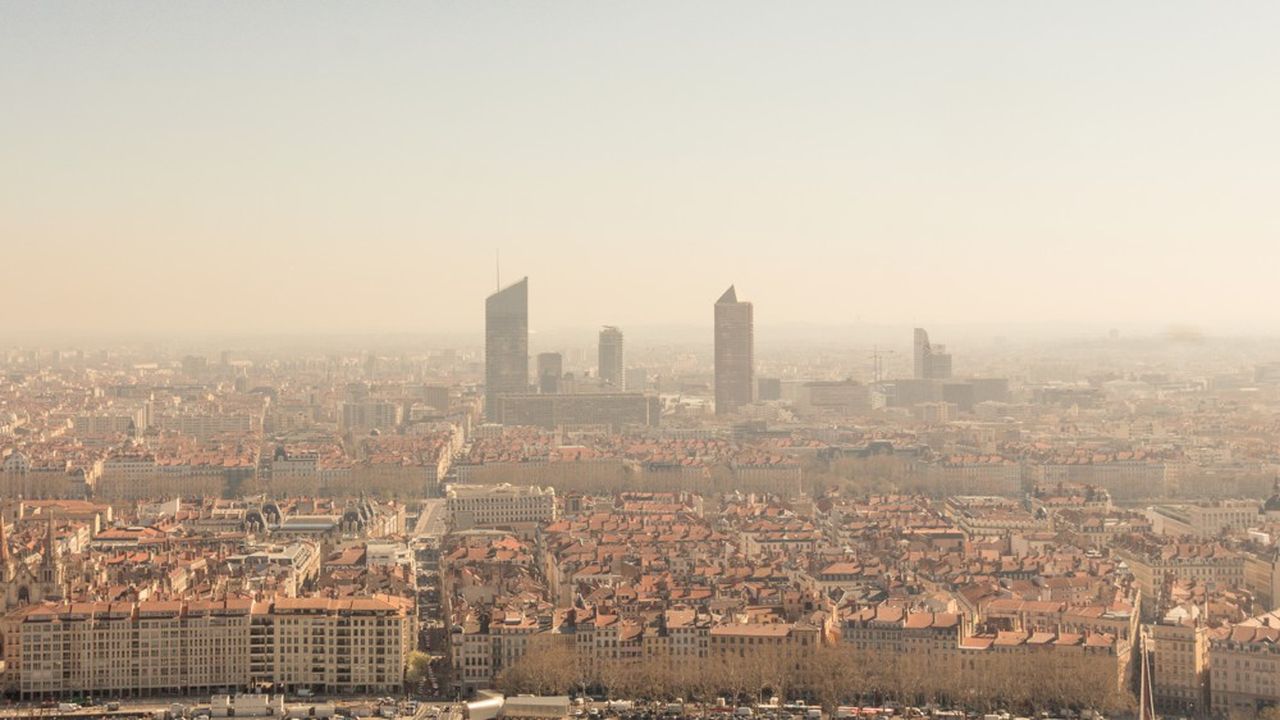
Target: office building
x: 990, y: 389
x: 473, y: 506
x: 637, y: 380
x: 611, y: 364
x: 932, y: 362
x: 844, y: 397
x: 912, y: 391
x: 960, y: 394
x: 370, y: 415
x: 615, y: 410
x: 734, y: 349
x: 506, y: 343
x: 550, y: 370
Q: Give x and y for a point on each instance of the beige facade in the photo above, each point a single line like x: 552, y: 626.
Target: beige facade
x: 1180, y: 671
x: 1205, y: 519
x: 151, y: 648
x: 1244, y: 665
x: 1211, y: 564
x: 940, y: 646
x: 499, y: 505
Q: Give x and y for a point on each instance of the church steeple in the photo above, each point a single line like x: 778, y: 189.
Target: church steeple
x: 6, y: 560
x: 50, y: 544
x: 51, y: 573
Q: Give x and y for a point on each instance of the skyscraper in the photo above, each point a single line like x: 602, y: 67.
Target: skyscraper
x: 735, y: 369
x: 506, y: 344
x: 932, y: 362
x: 610, y: 364
x: 550, y: 370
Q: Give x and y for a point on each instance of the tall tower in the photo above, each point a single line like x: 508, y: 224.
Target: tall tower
x: 920, y: 354
x: 506, y: 344
x: 735, y: 354
x: 611, y: 363
x: 50, y: 572
x: 6, y: 560
x: 932, y: 362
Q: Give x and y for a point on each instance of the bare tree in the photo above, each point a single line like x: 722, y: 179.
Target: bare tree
x: 548, y: 666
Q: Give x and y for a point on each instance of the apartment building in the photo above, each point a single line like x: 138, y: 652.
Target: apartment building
x: 942, y: 645
x: 1180, y: 663
x: 739, y: 640
x: 979, y: 515
x: 208, y: 425
x: 200, y: 647
x: 1205, y: 519
x: 1244, y: 665
x: 891, y: 630
x: 1151, y: 561
x: 970, y: 475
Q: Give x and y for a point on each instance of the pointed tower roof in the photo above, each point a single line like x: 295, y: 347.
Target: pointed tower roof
x: 512, y: 298
x: 729, y: 296
x: 50, y: 543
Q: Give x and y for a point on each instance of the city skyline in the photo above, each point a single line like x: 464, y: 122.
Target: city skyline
x: 284, y: 434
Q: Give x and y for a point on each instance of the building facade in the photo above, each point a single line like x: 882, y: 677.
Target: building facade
x: 173, y: 647
x: 734, y: 353
x: 932, y: 362
x: 506, y: 343
x: 611, y: 362
x: 615, y: 410
x: 472, y: 506
x: 550, y: 370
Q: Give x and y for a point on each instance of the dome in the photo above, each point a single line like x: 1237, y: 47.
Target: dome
x: 1273, y: 502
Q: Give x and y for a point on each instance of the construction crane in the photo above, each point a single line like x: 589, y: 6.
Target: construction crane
x: 877, y: 362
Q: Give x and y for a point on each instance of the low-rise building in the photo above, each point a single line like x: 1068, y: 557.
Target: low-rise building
x: 503, y: 505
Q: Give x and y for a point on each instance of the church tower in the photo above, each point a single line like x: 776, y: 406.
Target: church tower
x: 6, y: 559
x: 50, y: 575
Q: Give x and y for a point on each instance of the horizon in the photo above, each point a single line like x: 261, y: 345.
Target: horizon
x: 321, y: 167
x: 769, y: 336
x: 376, y: 360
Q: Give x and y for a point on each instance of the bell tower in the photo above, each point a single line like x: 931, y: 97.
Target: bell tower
x: 6, y: 559
x: 51, y: 571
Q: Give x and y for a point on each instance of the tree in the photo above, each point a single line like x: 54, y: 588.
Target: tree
x: 417, y: 667
x: 831, y: 674
x: 549, y: 666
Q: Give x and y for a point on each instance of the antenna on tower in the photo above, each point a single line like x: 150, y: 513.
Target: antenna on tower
x: 497, y: 268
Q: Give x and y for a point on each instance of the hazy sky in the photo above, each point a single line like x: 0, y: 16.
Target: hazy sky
x: 348, y: 167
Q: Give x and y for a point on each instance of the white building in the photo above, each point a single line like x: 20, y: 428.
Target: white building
x: 499, y: 505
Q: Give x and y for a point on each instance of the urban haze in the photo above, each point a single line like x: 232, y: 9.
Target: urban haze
x: 651, y: 361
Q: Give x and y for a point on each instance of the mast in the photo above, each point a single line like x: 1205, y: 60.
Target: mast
x: 1146, y: 696
x: 1142, y: 677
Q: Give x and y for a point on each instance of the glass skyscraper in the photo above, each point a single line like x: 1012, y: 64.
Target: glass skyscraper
x: 735, y: 360
x: 506, y: 344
